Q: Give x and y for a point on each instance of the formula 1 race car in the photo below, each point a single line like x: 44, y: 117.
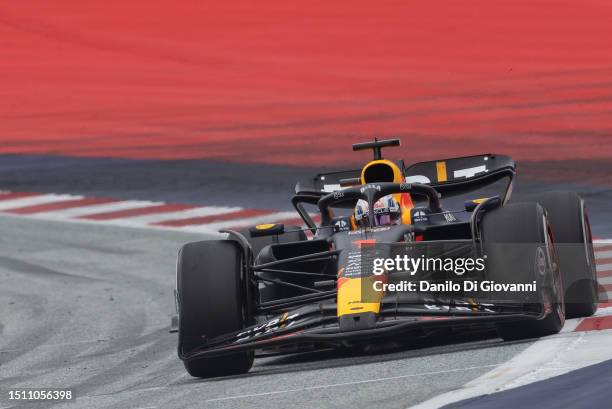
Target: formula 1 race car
x: 272, y: 289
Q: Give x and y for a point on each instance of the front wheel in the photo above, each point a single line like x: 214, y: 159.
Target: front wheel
x: 211, y: 303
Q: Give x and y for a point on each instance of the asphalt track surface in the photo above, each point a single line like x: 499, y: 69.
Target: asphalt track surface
x: 88, y: 308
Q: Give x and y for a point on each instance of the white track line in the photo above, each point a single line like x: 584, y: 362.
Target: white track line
x: 214, y: 227
x: 605, y: 280
x: 335, y: 385
x: 96, y: 208
x: 603, y: 254
x: 178, y: 215
x: 35, y: 200
x: 604, y: 267
x: 602, y: 312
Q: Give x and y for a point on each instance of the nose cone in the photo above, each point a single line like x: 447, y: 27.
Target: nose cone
x: 356, y: 322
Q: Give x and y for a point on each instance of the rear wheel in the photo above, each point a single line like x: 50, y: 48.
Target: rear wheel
x: 522, y: 254
x: 572, y: 233
x: 211, y: 303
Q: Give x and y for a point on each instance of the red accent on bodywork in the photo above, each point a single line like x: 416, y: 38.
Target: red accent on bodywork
x: 406, y: 201
x: 341, y: 281
x: 287, y: 335
x: 360, y: 243
x: 434, y: 318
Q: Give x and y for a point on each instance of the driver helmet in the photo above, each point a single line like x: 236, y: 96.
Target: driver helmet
x: 386, y: 212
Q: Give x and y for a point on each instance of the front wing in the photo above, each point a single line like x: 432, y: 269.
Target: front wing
x: 318, y: 324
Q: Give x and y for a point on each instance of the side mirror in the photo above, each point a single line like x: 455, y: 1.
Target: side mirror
x: 262, y: 230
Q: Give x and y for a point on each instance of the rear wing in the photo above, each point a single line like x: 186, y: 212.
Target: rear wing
x: 449, y: 177
x: 444, y: 175
x: 456, y: 175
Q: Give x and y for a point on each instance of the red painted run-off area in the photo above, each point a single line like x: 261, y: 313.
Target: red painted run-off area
x: 296, y: 82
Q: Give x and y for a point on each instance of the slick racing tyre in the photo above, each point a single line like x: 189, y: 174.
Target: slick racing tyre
x: 518, y: 244
x: 572, y: 233
x: 211, y: 303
